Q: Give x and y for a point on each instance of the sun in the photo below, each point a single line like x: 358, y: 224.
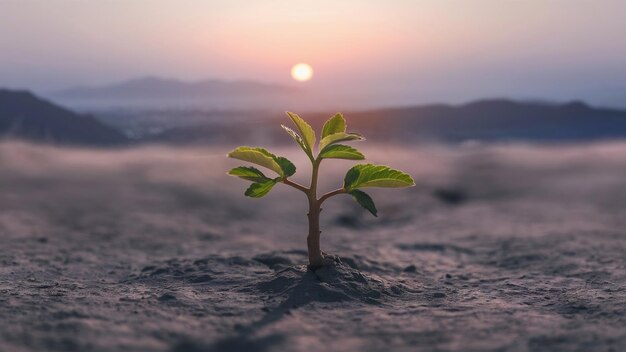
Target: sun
x: 302, y: 72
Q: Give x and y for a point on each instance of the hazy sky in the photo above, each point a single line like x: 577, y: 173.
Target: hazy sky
x: 397, y: 51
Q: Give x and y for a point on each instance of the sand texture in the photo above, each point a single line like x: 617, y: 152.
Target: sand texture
x: 497, y: 248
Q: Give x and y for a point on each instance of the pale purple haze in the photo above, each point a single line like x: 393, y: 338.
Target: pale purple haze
x: 382, y: 53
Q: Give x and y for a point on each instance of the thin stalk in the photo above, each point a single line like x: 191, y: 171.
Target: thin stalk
x: 316, y: 259
x: 330, y: 194
x: 296, y: 186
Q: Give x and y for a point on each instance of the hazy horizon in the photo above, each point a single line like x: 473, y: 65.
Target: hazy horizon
x: 383, y: 54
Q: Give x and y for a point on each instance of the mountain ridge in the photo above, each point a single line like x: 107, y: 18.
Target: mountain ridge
x: 24, y: 115
x: 485, y: 120
x: 153, y: 87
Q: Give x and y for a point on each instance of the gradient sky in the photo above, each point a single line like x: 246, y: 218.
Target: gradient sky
x: 396, y: 51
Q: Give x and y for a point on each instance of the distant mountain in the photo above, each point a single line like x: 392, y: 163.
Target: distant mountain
x: 148, y: 88
x: 486, y: 120
x: 25, y: 116
x: 497, y: 119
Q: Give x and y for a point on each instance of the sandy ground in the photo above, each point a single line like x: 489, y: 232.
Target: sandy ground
x: 502, y: 248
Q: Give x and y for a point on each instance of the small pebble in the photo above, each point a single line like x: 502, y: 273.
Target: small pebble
x: 167, y: 297
x: 410, y: 269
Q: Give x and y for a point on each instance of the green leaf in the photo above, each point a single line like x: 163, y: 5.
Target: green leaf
x: 260, y: 189
x: 368, y: 175
x: 339, y: 137
x: 306, y: 131
x: 334, y: 125
x: 364, y: 200
x: 296, y: 137
x: 287, y: 166
x: 340, y: 151
x: 258, y: 156
x: 351, y: 176
x: 248, y: 173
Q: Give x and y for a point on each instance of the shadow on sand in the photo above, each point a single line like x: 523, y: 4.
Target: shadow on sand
x: 294, y: 286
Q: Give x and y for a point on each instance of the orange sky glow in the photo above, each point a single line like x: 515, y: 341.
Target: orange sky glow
x: 439, y: 50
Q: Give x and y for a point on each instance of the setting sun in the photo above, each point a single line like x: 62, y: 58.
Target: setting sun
x: 302, y: 72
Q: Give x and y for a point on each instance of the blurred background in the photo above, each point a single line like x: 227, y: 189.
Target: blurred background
x: 210, y: 71
x: 153, y: 94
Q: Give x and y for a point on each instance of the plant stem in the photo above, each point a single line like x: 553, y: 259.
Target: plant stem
x: 296, y: 186
x: 316, y: 259
x: 330, y: 194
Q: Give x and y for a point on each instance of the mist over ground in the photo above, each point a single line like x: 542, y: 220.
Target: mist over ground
x: 154, y: 248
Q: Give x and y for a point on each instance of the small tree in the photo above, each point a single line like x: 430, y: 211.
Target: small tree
x: 359, y: 176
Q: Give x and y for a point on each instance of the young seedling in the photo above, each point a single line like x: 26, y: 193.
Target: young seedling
x: 358, y: 177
